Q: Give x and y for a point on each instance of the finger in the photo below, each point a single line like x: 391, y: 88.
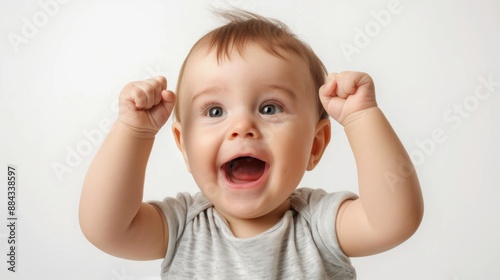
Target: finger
x: 168, y: 96
x: 136, y: 95
x: 146, y: 94
x: 328, y: 89
x: 162, y: 111
x: 162, y: 80
x: 160, y: 84
x: 347, y: 83
x: 351, y: 82
x: 168, y: 100
x: 155, y: 88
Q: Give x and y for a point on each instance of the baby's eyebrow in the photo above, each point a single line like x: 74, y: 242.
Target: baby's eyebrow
x: 215, y: 90
x: 207, y: 91
x: 279, y: 88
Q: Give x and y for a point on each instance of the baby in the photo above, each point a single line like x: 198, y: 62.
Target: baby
x: 251, y: 116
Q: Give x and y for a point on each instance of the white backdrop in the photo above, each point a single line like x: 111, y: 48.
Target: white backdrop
x: 436, y: 69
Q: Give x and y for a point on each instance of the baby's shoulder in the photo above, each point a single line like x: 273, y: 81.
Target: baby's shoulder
x: 309, y: 201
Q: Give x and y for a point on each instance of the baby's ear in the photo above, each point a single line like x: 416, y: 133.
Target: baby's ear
x: 177, y: 131
x: 320, y: 142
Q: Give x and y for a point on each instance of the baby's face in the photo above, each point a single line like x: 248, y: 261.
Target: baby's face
x: 247, y: 128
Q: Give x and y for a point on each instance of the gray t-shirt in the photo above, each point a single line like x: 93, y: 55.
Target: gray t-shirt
x: 302, y: 245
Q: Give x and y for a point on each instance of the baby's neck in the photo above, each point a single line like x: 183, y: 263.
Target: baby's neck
x: 246, y: 228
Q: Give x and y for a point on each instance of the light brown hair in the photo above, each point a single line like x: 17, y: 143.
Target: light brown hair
x: 272, y: 35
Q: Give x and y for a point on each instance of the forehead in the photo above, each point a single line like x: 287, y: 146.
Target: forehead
x: 249, y: 62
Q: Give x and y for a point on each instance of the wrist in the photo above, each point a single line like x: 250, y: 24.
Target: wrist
x: 134, y: 132
x: 358, y: 116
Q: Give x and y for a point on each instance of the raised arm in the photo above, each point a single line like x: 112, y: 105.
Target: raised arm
x: 390, y: 205
x: 112, y: 214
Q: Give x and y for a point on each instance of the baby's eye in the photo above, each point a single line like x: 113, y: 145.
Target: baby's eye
x: 270, y: 109
x: 215, y: 112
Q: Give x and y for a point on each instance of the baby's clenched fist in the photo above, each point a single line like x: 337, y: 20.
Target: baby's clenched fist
x: 347, y: 93
x: 145, y: 106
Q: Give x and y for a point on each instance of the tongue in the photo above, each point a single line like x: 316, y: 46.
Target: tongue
x: 245, y: 169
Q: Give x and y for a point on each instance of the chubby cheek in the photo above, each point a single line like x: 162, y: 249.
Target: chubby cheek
x: 291, y: 151
x: 201, y: 151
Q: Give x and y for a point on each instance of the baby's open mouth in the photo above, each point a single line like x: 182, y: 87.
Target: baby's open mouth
x: 244, y: 169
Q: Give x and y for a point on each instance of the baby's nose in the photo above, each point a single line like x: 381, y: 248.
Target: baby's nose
x: 244, y: 127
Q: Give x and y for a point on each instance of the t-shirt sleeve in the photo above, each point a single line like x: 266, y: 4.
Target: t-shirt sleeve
x: 175, y: 211
x: 323, y: 208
